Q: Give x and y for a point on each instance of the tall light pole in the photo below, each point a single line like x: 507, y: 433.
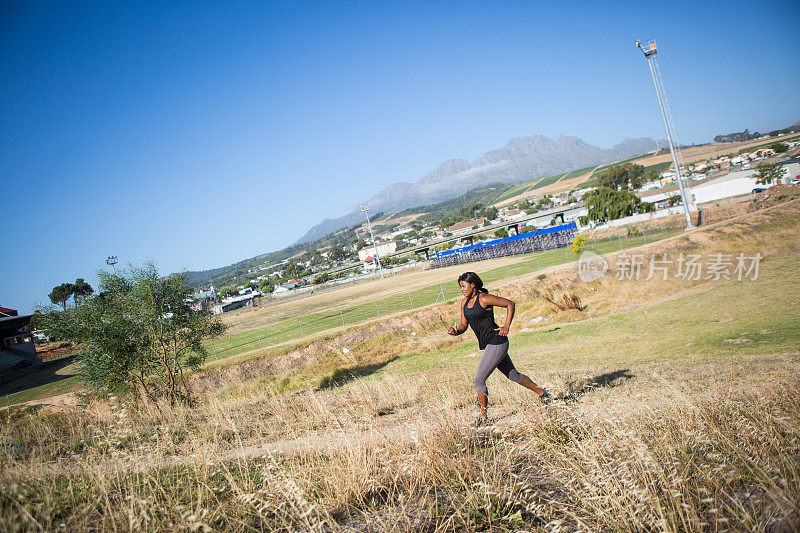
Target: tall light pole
x: 365, y: 208
x: 650, y: 50
x: 112, y: 260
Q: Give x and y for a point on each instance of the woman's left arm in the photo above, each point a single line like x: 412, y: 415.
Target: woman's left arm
x: 497, y: 301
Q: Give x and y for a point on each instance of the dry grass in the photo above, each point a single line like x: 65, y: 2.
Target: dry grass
x: 644, y: 438
x: 665, y: 459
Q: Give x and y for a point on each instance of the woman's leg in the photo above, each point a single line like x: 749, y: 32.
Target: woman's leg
x: 506, y: 366
x: 489, y: 360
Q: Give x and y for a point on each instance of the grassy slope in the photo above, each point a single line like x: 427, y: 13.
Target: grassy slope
x: 628, y: 160
x: 658, y: 167
x: 688, y: 328
x: 574, y: 173
x: 589, y: 183
x: 518, y: 189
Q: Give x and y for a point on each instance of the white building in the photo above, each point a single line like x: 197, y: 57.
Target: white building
x: 384, y: 248
x: 235, y: 302
x: 401, y: 231
x: 733, y: 184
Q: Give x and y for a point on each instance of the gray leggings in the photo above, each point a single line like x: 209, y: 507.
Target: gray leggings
x: 495, y: 356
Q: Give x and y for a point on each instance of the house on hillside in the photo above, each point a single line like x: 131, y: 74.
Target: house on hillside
x: 286, y: 287
x: 464, y: 227
x: 202, y: 299
x: 370, y: 263
x: 401, y: 231
x: 512, y: 214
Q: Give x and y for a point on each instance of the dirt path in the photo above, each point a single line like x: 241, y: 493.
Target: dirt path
x: 402, y: 427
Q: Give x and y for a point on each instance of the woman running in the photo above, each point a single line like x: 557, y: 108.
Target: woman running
x: 477, y: 313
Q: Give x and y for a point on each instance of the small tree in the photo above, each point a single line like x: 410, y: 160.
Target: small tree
x: 138, y: 335
x: 502, y: 233
x: 625, y: 176
x: 779, y: 148
x: 61, y: 293
x: 81, y: 290
x: 578, y: 244
x: 604, y: 204
x: 768, y: 172
x: 321, y: 278
x: 544, y: 201
x: 266, y: 286
x: 336, y: 253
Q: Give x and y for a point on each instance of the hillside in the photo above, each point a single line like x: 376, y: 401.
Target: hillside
x: 523, y: 158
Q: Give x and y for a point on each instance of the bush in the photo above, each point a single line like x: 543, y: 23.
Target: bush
x: 578, y: 244
x: 564, y: 300
x: 138, y: 335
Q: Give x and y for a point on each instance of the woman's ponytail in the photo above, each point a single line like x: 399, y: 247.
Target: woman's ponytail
x: 474, y: 279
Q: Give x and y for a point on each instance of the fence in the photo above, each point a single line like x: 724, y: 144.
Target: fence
x: 403, y: 300
x: 61, y: 386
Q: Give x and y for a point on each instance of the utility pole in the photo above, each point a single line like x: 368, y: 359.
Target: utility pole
x: 365, y: 209
x: 650, y: 50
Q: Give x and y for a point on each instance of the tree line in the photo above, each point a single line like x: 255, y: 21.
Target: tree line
x: 62, y: 293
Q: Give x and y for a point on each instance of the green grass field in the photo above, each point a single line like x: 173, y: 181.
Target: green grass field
x: 589, y: 183
x: 658, y: 167
x: 573, y: 174
x: 517, y: 190
x: 621, y: 161
x: 702, y: 327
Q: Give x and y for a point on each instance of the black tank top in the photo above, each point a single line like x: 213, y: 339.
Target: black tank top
x: 482, y: 323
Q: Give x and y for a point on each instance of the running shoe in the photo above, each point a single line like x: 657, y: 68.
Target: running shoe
x: 545, y: 398
x: 482, y: 421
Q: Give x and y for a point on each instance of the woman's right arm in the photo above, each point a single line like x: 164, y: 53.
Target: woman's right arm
x: 462, y: 327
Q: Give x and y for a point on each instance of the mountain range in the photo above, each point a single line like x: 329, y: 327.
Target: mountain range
x: 521, y: 159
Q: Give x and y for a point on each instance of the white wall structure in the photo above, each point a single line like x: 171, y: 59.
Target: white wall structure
x: 384, y: 248
x: 674, y: 210
x: 791, y: 171
x: 734, y: 184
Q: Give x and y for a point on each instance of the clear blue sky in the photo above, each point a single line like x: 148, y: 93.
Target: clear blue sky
x: 197, y: 134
